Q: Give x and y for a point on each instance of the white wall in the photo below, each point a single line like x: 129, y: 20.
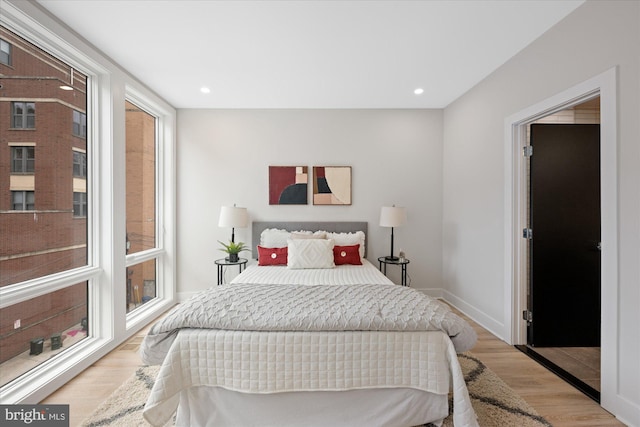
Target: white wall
x: 224, y: 155
x: 596, y: 37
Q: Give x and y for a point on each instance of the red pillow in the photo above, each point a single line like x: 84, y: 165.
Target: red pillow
x: 272, y: 256
x: 347, y: 255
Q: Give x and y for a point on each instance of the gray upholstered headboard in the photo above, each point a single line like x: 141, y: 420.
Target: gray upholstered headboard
x: 337, y: 227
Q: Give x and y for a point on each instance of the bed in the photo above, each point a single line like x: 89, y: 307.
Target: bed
x: 304, y: 338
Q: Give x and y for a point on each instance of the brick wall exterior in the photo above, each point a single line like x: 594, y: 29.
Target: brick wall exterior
x: 141, y: 221
x: 48, y: 239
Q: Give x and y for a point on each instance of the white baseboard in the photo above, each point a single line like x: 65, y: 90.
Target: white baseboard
x: 433, y: 292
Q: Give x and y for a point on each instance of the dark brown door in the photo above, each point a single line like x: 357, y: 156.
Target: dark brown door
x: 565, y: 244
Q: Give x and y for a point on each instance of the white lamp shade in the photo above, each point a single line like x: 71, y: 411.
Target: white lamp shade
x: 233, y: 216
x: 392, y: 216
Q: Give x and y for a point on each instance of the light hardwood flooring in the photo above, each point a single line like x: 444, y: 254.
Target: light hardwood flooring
x: 550, y: 396
x: 95, y: 384
x: 553, y: 398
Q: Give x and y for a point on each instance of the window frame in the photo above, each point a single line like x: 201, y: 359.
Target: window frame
x: 82, y: 203
x: 9, y: 52
x: 25, y: 200
x: 109, y: 326
x: 24, y: 116
x: 80, y: 125
x: 164, y: 170
x: 24, y: 161
x: 81, y: 165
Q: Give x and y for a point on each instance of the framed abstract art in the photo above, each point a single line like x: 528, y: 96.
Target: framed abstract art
x: 288, y: 185
x: 332, y: 185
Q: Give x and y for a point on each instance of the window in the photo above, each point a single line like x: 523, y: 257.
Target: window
x: 79, y: 164
x: 43, y: 252
x: 141, y: 284
x: 79, y: 204
x: 5, y: 52
x: 37, y: 321
x: 23, y: 159
x: 61, y: 266
x: 23, y: 115
x: 79, y: 124
x: 23, y: 200
x: 141, y: 202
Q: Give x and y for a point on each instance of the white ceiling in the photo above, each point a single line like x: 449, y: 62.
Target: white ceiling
x: 310, y: 54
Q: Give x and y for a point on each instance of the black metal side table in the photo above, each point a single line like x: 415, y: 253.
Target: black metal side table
x: 402, y: 262
x: 223, y: 262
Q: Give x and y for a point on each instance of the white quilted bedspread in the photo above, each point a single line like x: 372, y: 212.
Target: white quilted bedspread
x: 248, y: 307
x: 275, y: 338
x: 269, y: 362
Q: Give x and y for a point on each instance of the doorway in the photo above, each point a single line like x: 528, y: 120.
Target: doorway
x: 564, y: 267
x: 604, y: 86
x: 564, y: 255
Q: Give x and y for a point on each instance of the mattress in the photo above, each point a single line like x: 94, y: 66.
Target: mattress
x: 346, y: 274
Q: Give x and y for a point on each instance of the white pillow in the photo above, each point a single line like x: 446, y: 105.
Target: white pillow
x: 310, y: 253
x: 308, y: 235
x: 274, y: 238
x: 349, y: 239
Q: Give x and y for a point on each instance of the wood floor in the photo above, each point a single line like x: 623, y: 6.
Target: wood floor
x: 554, y: 399
x: 86, y: 391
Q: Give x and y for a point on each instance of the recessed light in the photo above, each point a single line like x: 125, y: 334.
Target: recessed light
x: 419, y: 91
x: 205, y: 90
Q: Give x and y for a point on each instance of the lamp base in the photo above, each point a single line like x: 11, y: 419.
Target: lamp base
x: 391, y: 258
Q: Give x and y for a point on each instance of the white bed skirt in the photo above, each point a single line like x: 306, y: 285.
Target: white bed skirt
x: 206, y: 406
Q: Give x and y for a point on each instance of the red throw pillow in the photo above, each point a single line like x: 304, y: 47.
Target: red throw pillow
x: 347, y: 255
x: 272, y: 256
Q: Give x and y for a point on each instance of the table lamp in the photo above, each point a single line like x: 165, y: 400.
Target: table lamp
x: 392, y: 216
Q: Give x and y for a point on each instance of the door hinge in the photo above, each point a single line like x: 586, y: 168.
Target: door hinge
x: 527, y: 315
x: 527, y: 233
x: 527, y: 150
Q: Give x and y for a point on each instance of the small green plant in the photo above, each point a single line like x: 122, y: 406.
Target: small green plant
x: 233, y: 247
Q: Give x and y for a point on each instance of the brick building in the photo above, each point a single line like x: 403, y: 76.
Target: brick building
x: 141, y: 202
x: 43, y: 188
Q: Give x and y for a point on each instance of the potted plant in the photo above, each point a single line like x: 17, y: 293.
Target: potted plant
x: 233, y: 249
